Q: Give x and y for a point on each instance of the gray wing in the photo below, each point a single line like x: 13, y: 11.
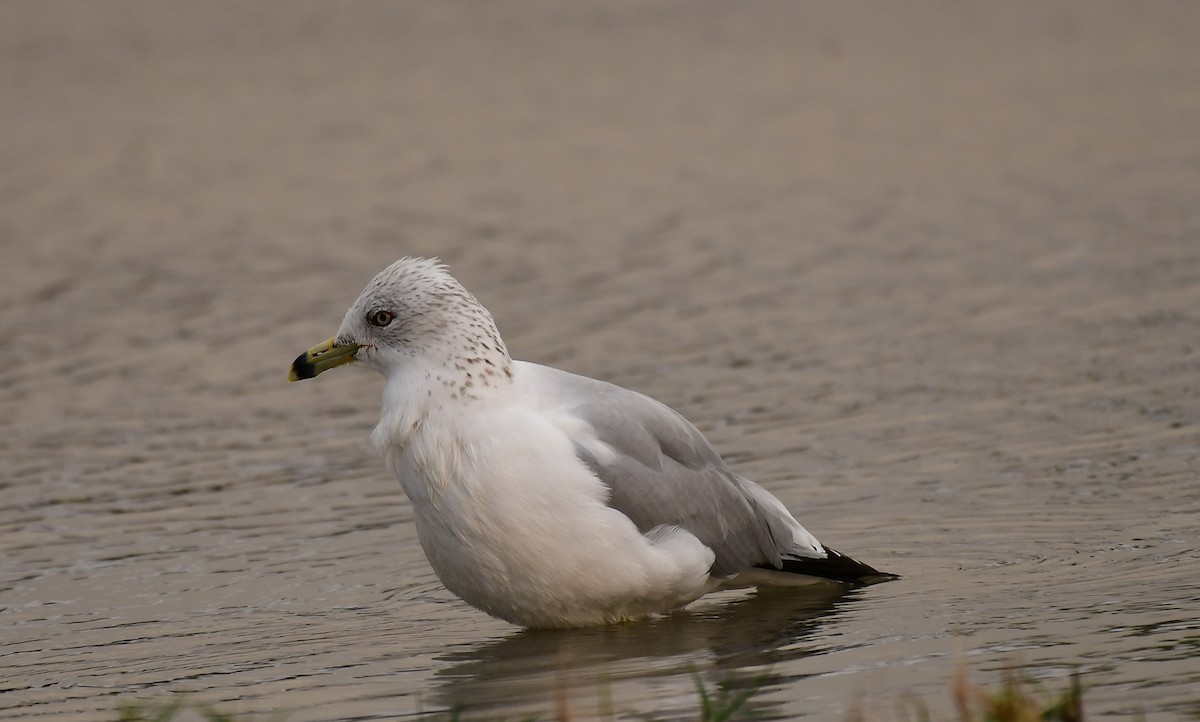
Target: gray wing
x: 664, y: 471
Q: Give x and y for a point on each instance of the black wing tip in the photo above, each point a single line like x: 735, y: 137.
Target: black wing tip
x: 835, y: 566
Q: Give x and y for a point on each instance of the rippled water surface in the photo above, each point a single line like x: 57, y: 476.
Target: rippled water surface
x: 930, y: 275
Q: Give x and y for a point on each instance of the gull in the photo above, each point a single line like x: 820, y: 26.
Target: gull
x: 548, y: 499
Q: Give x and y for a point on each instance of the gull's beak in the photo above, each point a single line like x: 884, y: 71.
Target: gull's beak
x: 321, y: 357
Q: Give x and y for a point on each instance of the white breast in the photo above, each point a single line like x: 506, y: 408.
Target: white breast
x: 514, y: 524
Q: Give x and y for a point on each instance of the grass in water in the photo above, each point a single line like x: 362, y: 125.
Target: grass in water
x: 1019, y: 698
x: 138, y: 712
x: 725, y: 704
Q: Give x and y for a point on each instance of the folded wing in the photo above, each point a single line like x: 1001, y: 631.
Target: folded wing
x: 660, y: 470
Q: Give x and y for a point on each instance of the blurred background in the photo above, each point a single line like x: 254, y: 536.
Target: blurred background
x: 928, y: 271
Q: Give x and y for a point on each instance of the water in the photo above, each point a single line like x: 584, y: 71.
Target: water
x: 931, y: 277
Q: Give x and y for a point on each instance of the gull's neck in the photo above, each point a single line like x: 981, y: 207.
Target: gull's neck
x: 469, y: 366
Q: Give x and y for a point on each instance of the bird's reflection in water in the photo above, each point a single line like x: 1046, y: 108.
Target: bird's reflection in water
x: 537, y: 668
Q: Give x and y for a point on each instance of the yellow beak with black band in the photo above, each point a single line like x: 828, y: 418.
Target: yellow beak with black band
x: 320, y: 358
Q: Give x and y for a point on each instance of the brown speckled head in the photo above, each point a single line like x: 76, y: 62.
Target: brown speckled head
x: 415, y: 310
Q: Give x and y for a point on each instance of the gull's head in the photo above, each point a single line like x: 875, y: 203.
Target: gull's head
x: 414, y: 309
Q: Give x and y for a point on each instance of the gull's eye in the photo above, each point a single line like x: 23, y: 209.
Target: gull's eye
x: 381, y: 318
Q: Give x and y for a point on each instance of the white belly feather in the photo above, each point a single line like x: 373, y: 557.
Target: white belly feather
x: 514, y: 524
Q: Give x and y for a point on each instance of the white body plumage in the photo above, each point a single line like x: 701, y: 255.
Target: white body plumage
x: 514, y: 523
x: 549, y: 499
